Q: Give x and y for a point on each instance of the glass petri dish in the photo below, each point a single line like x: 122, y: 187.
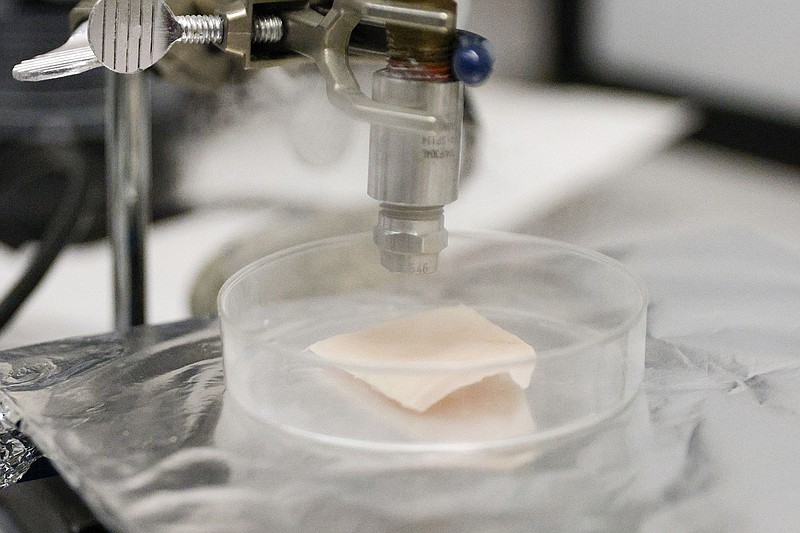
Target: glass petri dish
x: 583, y: 313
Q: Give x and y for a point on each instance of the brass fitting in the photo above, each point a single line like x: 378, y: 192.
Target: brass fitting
x: 420, y: 54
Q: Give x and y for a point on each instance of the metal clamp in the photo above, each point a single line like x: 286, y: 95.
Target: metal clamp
x: 325, y: 39
x: 131, y: 35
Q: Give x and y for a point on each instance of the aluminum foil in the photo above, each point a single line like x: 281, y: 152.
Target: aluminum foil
x: 140, y: 425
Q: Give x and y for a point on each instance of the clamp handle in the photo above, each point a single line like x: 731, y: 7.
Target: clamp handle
x: 132, y: 35
x: 125, y: 36
x: 73, y: 57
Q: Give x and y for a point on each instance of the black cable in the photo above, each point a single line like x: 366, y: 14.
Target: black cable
x: 55, y: 237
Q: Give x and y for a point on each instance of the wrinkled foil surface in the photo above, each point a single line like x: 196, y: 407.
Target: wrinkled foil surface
x: 140, y: 425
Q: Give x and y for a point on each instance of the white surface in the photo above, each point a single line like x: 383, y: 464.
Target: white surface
x: 737, y: 51
x: 690, y: 189
x: 538, y: 144
x: 539, y: 147
x: 544, y: 144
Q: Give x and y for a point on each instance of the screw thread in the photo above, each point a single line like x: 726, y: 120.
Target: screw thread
x: 201, y: 29
x: 267, y: 29
x: 420, y: 54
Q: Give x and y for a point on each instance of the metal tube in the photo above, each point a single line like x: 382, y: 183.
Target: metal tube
x: 128, y: 176
x: 414, y: 173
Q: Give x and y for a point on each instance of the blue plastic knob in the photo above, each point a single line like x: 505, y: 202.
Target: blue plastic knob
x: 473, y: 60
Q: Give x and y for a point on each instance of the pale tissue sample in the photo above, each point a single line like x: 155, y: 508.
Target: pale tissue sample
x: 455, y: 340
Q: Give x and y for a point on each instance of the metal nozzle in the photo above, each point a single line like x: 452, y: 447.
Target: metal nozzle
x: 414, y: 173
x: 410, y: 238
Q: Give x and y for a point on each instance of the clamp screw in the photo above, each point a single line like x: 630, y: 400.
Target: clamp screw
x: 267, y: 29
x: 210, y: 29
x: 201, y: 29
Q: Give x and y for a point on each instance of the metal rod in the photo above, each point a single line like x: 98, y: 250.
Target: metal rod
x: 128, y: 176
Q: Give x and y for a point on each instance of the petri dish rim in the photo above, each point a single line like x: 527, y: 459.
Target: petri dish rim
x: 604, y: 339
x: 521, y: 444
